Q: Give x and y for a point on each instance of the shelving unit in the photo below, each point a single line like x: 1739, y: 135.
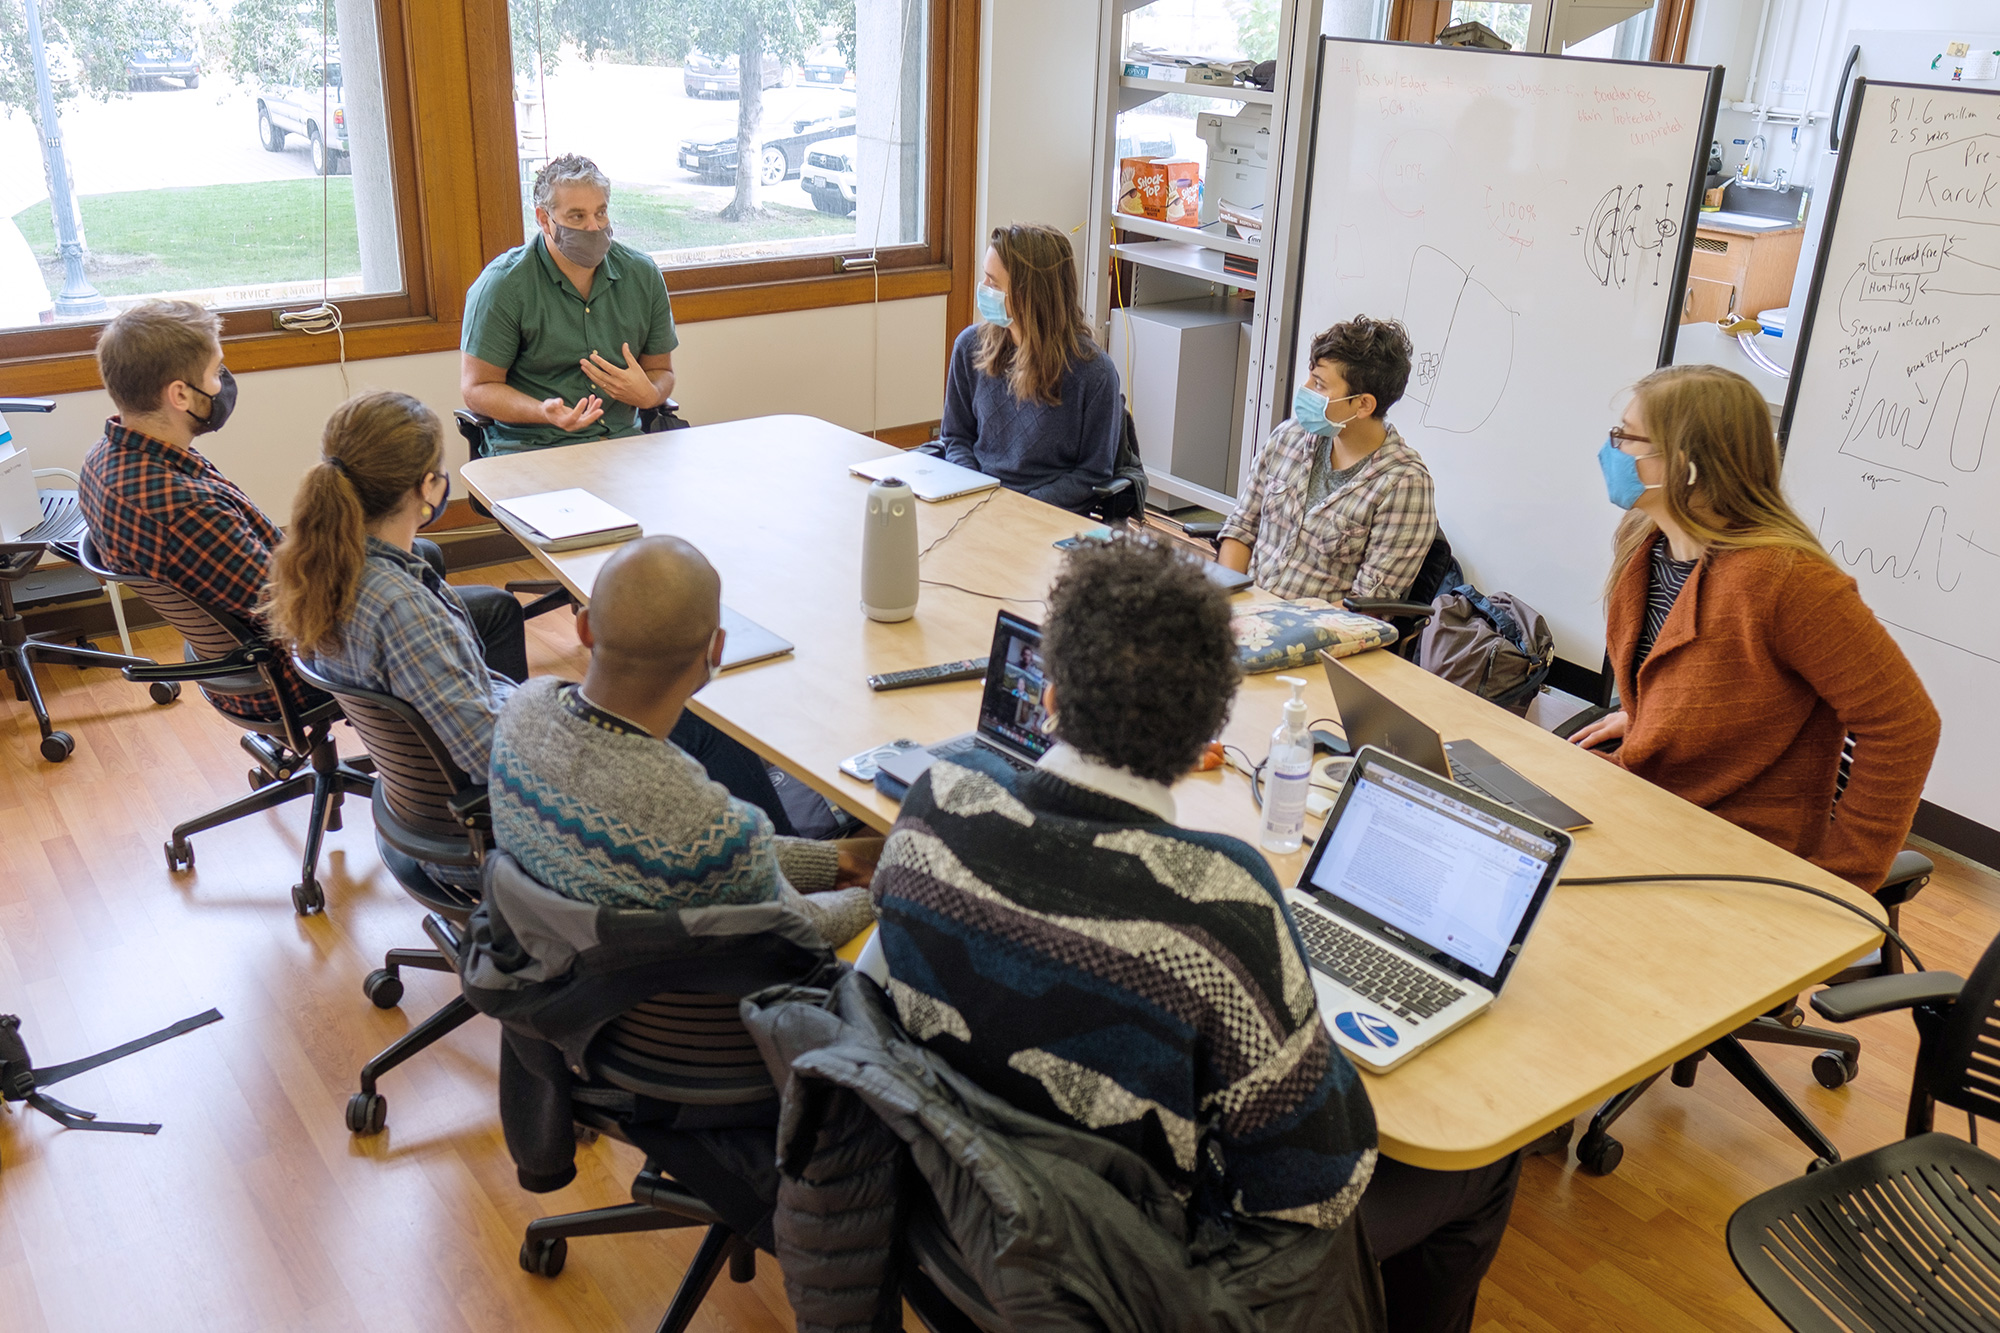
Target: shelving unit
x: 1170, y: 263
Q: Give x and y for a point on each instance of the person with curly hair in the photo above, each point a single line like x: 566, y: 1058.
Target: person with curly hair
x: 1065, y: 945
x: 1338, y: 505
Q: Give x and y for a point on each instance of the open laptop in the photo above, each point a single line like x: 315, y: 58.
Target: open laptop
x: 1415, y: 904
x: 929, y: 477
x: 1010, y: 711
x: 1370, y: 717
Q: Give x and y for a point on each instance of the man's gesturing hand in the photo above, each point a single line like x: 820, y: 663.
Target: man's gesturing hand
x: 628, y: 383
x: 587, y: 410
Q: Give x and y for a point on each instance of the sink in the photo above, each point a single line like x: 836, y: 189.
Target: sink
x: 1748, y: 221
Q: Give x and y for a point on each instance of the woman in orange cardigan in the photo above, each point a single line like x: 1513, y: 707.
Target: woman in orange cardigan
x: 1744, y: 656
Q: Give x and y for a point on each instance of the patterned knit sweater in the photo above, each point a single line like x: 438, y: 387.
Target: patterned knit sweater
x: 1099, y: 967
x: 597, y: 809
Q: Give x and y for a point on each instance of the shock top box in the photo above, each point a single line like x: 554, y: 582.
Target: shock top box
x: 1162, y: 189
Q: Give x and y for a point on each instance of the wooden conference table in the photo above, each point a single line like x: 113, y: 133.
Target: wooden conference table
x: 1615, y: 983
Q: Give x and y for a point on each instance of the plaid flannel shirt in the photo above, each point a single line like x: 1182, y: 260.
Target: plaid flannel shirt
x: 167, y: 514
x: 410, y: 636
x: 1367, y: 539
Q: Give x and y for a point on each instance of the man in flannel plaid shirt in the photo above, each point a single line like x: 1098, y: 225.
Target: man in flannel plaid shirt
x: 1338, y: 505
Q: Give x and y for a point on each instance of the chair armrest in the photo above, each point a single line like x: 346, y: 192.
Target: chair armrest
x: 64, y: 472
x: 1116, y: 486
x: 1908, y: 873
x: 929, y: 449
x: 1383, y: 608
x: 1211, y: 531
x: 1881, y: 995
x: 472, y: 807
x: 27, y: 404
x: 247, y: 658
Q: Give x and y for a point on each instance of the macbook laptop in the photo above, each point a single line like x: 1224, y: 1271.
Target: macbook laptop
x: 929, y: 477
x: 1010, y: 711
x: 1415, y: 905
x: 745, y: 641
x: 1369, y: 717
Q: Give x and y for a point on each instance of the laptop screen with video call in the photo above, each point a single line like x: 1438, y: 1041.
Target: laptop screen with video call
x: 1011, y: 710
x: 1438, y: 872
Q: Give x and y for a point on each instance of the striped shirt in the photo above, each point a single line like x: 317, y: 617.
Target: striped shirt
x: 1367, y: 538
x: 1665, y: 577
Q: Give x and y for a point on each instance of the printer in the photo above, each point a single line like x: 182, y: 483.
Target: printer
x: 1239, y: 163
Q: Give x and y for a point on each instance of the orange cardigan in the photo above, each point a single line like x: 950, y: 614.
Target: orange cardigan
x: 1767, y: 662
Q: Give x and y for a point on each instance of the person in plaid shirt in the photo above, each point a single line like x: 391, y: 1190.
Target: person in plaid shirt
x: 158, y: 508
x: 1338, y: 505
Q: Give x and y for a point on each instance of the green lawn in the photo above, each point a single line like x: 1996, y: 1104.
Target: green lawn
x: 145, y: 241
x: 205, y: 236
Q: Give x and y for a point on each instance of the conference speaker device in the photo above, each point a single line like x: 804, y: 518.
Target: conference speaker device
x: 889, y: 551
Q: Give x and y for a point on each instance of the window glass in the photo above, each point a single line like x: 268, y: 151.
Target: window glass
x: 1508, y: 21
x: 654, y: 93
x: 207, y: 151
x: 1629, y: 40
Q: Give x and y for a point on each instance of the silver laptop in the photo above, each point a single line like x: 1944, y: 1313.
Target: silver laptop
x: 1010, y: 711
x: 1415, y: 904
x: 931, y: 478
x: 1370, y: 717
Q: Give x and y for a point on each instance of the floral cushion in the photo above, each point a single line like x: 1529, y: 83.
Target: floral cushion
x: 1278, y: 635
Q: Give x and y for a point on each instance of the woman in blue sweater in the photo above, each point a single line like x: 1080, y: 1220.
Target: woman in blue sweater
x: 1029, y: 398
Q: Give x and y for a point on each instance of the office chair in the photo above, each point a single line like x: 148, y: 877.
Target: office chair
x: 427, y: 812
x: 62, y: 526
x: 549, y: 594
x: 687, y: 1047
x: 1837, y: 1063
x: 295, y: 751
x: 1906, y: 1237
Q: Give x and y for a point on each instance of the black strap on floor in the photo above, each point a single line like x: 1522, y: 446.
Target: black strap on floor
x: 57, y: 1073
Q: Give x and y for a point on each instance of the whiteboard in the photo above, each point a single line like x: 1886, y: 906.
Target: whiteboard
x: 1529, y: 218
x: 1892, y: 419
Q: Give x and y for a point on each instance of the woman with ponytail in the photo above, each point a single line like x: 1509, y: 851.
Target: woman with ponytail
x: 1744, y: 655
x: 355, y: 600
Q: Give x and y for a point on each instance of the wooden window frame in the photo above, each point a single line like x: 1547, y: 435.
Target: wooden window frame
x: 448, y: 66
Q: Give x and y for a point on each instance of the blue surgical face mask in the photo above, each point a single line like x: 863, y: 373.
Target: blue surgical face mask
x: 1621, y: 475
x: 992, y: 305
x: 1309, y: 410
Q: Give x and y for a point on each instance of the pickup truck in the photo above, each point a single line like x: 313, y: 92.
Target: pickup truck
x: 284, y: 110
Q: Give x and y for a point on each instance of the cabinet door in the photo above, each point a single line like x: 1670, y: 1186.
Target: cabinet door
x: 1707, y: 300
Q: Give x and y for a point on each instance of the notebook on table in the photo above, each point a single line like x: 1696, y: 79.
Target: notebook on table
x: 929, y: 477
x: 566, y: 520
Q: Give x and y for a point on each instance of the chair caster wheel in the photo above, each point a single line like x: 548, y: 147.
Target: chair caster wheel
x: 544, y: 1258
x: 1833, y: 1069
x: 259, y: 779
x: 307, y: 899
x: 164, y: 691
x: 383, y: 988
x: 180, y: 855
x: 1599, y: 1154
x: 58, y: 746
x: 367, y: 1112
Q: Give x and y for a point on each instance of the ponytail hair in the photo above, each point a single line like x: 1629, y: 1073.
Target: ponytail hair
x: 376, y: 449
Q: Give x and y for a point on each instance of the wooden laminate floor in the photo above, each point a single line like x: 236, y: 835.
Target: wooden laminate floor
x: 254, y: 1209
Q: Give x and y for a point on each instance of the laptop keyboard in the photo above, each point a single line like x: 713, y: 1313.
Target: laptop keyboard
x: 1466, y: 777
x: 1380, y: 974
x: 967, y: 744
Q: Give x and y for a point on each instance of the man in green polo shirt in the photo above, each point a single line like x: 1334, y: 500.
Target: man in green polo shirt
x: 568, y: 337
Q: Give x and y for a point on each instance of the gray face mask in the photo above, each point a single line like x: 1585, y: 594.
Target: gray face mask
x: 582, y: 247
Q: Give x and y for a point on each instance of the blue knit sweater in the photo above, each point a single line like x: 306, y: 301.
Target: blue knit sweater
x: 1054, y: 453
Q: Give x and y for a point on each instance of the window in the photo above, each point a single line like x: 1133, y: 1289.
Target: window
x: 219, y: 155
x: 824, y: 150
x: 1509, y: 22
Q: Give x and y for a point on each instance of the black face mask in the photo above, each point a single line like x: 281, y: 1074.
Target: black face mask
x: 220, y: 403
x: 437, y: 512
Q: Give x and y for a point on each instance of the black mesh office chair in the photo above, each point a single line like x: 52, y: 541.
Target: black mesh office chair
x: 1906, y: 1237
x: 427, y: 812
x: 687, y: 1046
x: 549, y: 594
x: 62, y: 526
x: 294, y: 752
x: 1837, y: 1063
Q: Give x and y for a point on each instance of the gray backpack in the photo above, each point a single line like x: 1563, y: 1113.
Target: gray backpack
x: 1498, y: 647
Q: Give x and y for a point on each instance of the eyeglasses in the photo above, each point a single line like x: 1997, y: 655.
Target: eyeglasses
x: 1622, y: 437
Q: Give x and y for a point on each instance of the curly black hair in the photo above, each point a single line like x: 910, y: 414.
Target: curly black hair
x: 1139, y: 648
x: 1373, y: 356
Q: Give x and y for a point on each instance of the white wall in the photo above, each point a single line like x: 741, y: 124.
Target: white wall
x: 862, y: 366
x: 1037, y: 109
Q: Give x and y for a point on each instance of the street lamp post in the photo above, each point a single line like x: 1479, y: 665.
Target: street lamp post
x: 77, y: 297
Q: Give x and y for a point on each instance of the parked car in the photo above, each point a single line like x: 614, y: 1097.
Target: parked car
x: 782, y: 152
x: 717, y: 76
x: 285, y: 110
x: 828, y: 175
x: 825, y: 65
x: 162, y: 60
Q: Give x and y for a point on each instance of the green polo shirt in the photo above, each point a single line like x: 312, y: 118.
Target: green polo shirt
x: 522, y: 313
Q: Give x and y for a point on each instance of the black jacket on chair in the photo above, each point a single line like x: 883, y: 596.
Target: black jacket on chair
x: 889, y: 1156
x: 555, y: 971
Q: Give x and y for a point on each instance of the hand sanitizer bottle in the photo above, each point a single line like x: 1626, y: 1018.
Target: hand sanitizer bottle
x: 1288, y: 774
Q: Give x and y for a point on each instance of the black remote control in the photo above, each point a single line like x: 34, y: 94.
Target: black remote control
x: 972, y: 668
